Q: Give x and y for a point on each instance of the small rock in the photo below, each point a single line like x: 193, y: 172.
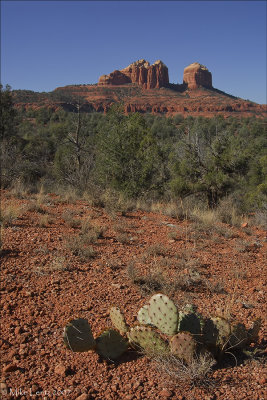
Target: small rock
x: 262, y: 381
x: 35, y: 388
x: 165, y: 393
x: 3, y: 388
x: 60, y: 369
x: 114, y: 388
x: 18, y: 330
x: 83, y: 396
x: 117, y: 285
x: 10, y: 368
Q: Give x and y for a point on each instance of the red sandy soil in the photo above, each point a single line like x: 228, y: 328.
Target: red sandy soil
x: 44, y: 285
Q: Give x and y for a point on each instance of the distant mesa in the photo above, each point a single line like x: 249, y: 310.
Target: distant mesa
x: 156, y: 75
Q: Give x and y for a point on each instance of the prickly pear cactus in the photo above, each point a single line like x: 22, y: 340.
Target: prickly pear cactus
x: 163, y: 314
x: 118, y: 320
x: 144, y: 337
x: 254, y: 331
x: 190, y: 321
x: 111, y: 345
x: 78, y: 336
x: 239, y: 337
x: 183, y: 346
x: 143, y: 316
x: 216, y: 333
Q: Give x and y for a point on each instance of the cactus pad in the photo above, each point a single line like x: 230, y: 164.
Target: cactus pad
x: 163, y: 314
x: 111, y: 345
x: 239, y: 337
x: 183, y: 346
x: 78, y: 336
x: 118, y: 320
x: 144, y: 337
x: 254, y: 331
x: 190, y: 322
x: 217, y: 332
x: 143, y: 316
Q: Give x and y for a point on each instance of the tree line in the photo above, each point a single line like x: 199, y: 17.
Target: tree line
x: 137, y: 155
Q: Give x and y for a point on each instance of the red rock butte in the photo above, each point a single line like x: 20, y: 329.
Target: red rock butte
x: 197, y: 75
x: 141, y: 72
x: 156, y: 75
x: 145, y: 88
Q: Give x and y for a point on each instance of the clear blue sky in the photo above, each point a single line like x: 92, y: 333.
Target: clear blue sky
x: 46, y: 44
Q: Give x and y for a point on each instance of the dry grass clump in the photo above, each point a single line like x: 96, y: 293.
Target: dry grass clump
x: 35, y: 206
x: 78, y: 245
x: 114, y: 203
x: 19, y: 190
x: 59, y: 263
x: 157, y: 279
x: 172, y: 209
x: 156, y: 249
x: 10, y: 213
x: 67, y: 195
x: 173, y: 235
x: 228, y: 213
x: 44, y: 220
x: 260, y: 218
x: 151, y: 282
x: 242, y: 246
x: 207, y: 218
x: 121, y: 226
x: 124, y: 238
x: 69, y: 219
x: 195, y: 373
x: 90, y: 232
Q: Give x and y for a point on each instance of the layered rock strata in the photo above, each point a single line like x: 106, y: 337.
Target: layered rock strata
x: 140, y: 72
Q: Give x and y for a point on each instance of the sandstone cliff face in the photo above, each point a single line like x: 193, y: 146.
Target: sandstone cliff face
x: 114, y: 78
x: 141, y: 72
x: 197, y: 75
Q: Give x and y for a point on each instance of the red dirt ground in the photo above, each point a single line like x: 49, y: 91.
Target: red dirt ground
x: 44, y: 285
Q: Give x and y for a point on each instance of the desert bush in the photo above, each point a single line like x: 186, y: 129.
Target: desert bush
x: 10, y: 213
x: 228, y: 213
x: 260, y: 217
x: 91, y: 236
x: 205, y: 218
x: 44, y: 220
x: 59, y: 263
x: 34, y: 206
x: 123, y: 238
x: 243, y: 246
x: 78, y: 246
x: 151, y: 282
x: 156, y: 249
x: 69, y: 219
x: 195, y: 373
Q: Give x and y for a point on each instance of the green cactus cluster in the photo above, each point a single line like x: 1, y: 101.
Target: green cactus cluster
x: 162, y: 330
